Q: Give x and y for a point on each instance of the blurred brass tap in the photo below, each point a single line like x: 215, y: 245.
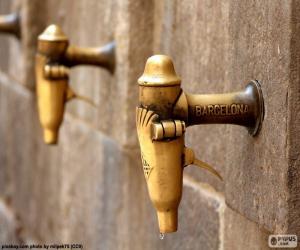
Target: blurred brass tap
x: 10, y: 24
x: 54, y: 59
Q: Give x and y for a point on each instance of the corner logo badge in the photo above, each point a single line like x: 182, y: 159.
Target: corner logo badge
x: 282, y: 241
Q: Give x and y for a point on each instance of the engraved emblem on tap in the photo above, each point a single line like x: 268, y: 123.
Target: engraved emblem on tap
x: 221, y: 109
x: 147, y: 168
x: 144, y: 121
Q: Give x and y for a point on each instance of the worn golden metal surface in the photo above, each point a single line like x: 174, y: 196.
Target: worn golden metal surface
x: 162, y: 117
x: 10, y: 24
x: 53, y: 61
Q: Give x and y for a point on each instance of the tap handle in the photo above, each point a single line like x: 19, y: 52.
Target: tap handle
x: 167, y: 129
x: 190, y: 159
x: 71, y: 94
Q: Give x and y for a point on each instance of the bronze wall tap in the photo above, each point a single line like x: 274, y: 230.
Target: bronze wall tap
x: 162, y: 117
x: 53, y: 60
x: 10, y: 24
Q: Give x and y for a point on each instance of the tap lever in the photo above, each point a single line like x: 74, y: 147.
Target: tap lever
x: 71, y: 94
x: 190, y: 159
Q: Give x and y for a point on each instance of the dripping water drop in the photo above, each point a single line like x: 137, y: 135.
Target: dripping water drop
x: 161, y: 236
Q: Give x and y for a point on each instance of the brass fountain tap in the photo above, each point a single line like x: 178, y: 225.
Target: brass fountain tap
x: 164, y: 112
x: 54, y: 59
x: 10, y: 24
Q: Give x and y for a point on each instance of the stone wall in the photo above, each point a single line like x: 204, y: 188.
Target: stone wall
x: 90, y: 188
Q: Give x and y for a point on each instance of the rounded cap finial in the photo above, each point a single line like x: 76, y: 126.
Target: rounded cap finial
x: 159, y: 71
x: 53, y: 33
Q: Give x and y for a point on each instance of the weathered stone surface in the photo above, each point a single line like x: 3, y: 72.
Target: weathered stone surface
x: 293, y: 145
x: 8, y: 226
x: 29, y: 169
x: 18, y: 55
x: 17, y: 135
x: 4, y: 44
x: 91, y: 184
x: 241, y: 233
x: 256, y: 168
x: 33, y: 22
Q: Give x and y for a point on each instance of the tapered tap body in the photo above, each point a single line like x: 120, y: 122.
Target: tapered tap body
x: 51, y: 81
